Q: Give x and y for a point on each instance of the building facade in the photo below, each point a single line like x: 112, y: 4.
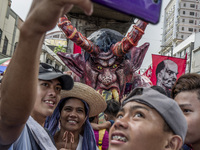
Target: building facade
x: 9, y: 29
x: 10, y: 23
x: 181, y: 19
x: 56, y: 38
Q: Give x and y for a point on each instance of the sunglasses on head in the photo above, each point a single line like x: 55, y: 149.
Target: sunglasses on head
x: 47, y: 68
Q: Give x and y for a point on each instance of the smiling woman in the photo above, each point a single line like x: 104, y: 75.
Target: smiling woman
x: 72, y: 114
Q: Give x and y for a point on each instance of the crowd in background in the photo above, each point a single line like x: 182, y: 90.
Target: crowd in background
x: 42, y: 108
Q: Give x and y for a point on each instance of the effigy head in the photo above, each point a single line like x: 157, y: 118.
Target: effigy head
x: 109, y: 60
x: 107, y: 69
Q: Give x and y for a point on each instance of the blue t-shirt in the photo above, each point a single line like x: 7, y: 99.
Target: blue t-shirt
x: 23, y: 142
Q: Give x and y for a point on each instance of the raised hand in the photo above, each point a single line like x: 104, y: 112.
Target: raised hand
x: 44, y: 14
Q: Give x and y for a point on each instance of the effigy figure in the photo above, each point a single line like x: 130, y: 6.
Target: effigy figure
x: 109, y: 60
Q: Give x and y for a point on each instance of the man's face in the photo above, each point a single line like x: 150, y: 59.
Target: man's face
x: 190, y: 105
x: 137, y: 127
x: 168, y: 75
x: 48, y: 96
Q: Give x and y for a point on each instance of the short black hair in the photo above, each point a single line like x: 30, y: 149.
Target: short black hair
x: 187, y: 82
x: 112, y: 107
x: 166, y: 128
x: 160, y: 67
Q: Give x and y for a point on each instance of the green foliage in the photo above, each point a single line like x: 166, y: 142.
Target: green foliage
x: 59, y: 49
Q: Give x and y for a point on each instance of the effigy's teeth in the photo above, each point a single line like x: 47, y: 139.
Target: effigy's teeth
x: 107, y: 95
x: 115, y: 95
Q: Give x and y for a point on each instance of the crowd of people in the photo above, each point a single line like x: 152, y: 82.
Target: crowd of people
x: 42, y: 108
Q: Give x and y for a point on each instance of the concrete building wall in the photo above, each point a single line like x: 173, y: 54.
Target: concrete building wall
x: 9, y: 25
x: 3, y: 11
x: 191, y: 47
x: 48, y: 56
x: 8, y: 32
x: 181, y: 19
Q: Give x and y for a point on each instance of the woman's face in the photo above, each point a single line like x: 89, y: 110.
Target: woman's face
x: 73, y: 115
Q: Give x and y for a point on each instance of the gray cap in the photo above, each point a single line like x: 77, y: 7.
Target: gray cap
x: 165, y: 106
x: 48, y: 72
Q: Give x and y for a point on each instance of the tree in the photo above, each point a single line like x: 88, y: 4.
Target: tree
x: 59, y: 49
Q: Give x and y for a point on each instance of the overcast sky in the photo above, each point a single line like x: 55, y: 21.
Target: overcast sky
x: 153, y: 33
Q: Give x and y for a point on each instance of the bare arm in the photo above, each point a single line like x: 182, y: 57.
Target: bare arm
x: 18, y: 91
x: 105, y: 125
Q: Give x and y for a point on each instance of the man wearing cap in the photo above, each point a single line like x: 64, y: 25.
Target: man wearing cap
x: 49, y: 85
x: 22, y: 94
x: 148, y: 120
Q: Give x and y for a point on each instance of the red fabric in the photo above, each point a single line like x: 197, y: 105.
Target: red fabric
x: 148, y: 73
x: 77, y: 49
x: 156, y: 59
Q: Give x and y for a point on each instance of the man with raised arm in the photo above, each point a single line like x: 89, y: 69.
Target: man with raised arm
x: 24, y: 93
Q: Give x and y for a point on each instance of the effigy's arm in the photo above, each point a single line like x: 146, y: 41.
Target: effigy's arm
x: 131, y: 40
x: 75, y: 36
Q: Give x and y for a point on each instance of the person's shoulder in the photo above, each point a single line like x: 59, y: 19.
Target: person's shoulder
x: 22, y: 142
x: 111, y: 122
x: 186, y: 147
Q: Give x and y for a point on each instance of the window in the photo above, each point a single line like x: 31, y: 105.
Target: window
x: 192, y: 5
x: 49, y: 61
x: 191, y: 21
x: 182, y: 36
x: 63, y: 36
x: 5, y: 46
x: 182, y: 28
x: 191, y: 13
x: 190, y: 29
x: 56, y: 66
x: 182, y: 53
x: 1, y: 32
x: 183, y: 20
x: 184, y: 4
x: 56, y: 36
x: 184, y: 12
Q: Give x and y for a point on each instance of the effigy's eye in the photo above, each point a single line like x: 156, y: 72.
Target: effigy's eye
x: 114, y: 66
x: 99, y: 67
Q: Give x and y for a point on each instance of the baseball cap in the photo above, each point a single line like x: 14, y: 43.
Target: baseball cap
x: 48, y: 72
x: 165, y: 106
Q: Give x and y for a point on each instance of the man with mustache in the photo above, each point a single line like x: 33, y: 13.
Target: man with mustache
x: 166, y: 74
